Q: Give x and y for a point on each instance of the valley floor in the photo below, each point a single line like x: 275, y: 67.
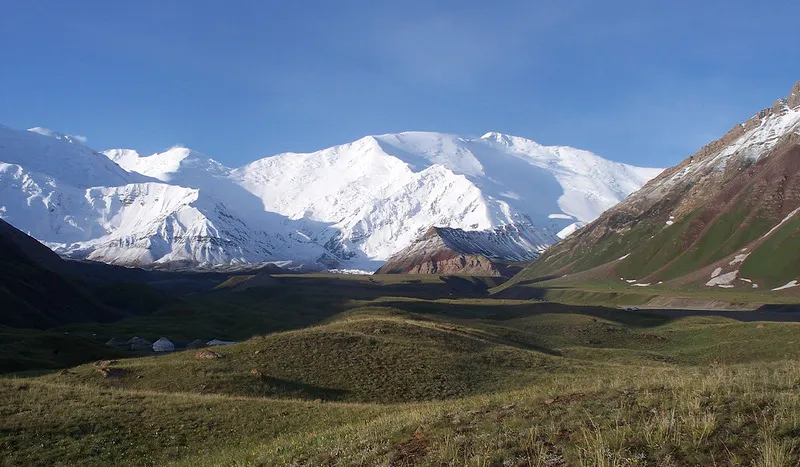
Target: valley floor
x: 410, y: 371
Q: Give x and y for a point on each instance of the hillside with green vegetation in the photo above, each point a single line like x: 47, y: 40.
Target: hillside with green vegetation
x: 414, y: 370
x: 666, y: 253
x: 727, y: 217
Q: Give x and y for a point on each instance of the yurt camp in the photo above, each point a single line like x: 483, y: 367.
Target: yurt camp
x: 163, y: 345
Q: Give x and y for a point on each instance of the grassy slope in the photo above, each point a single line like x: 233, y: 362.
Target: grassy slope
x: 656, y: 253
x: 723, y: 415
x: 616, y: 293
x: 777, y: 258
x: 359, y: 371
x: 40, y: 290
x: 665, y: 258
x: 300, y: 302
x: 620, y: 386
x: 34, y: 297
x: 30, y: 349
x: 34, y: 290
x: 364, y: 359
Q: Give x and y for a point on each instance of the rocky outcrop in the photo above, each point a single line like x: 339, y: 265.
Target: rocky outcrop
x: 793, y: 101
x: 478, y: 253
x: 430, y: 255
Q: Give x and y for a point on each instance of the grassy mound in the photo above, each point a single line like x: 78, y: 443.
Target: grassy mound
x: 367, y: 359
x: 625, y: 410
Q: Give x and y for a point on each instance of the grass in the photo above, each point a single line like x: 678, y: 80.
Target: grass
x: 366, y: 359
x: 635, y: 417
x: 777, y: 258
x: 655, y: 252
x: 615, y: 293
x: 726, y: 234
x: 29, y: 349
x: 723, y: 415
x: 390, y: 371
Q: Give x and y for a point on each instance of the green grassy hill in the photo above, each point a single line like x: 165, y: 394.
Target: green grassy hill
x: 360, y: 371
x: 369, y: 359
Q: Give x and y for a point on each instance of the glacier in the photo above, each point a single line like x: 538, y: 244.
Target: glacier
x: 350, y: 206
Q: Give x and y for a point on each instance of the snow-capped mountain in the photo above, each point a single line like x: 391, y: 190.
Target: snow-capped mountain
x: 352, y: 205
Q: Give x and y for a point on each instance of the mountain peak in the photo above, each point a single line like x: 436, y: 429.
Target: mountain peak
x: 54, y: 134
x: 60, y: 156
x: 518, y: 142
x: 163, y: 165
x: 498, y: 137
x: 793, y: 100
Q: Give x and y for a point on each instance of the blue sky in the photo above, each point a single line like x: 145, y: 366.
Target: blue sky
x: 238, y: 80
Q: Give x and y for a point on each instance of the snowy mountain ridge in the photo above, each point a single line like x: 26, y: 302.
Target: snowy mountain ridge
x: 349, y: 206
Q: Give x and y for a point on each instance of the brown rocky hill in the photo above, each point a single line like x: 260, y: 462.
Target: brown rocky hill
x: 726, y: 217
x: 479, y: 253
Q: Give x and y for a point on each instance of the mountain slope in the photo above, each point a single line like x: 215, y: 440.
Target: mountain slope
x: 726, y: 217
x: 351, y: 206
x: 33, y: 291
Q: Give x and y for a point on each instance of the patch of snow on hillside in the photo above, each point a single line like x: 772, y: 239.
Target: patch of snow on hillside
x: 716, y: 272
x: 723, y: 279
x: 569, y: 230
x: 785, y: 220
x: 788, y: 285
x: 739, y: 259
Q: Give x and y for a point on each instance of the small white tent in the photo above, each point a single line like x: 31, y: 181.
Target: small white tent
x: 163, y: 345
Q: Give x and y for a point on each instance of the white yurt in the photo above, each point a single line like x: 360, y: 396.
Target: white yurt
x: 163, y: 345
